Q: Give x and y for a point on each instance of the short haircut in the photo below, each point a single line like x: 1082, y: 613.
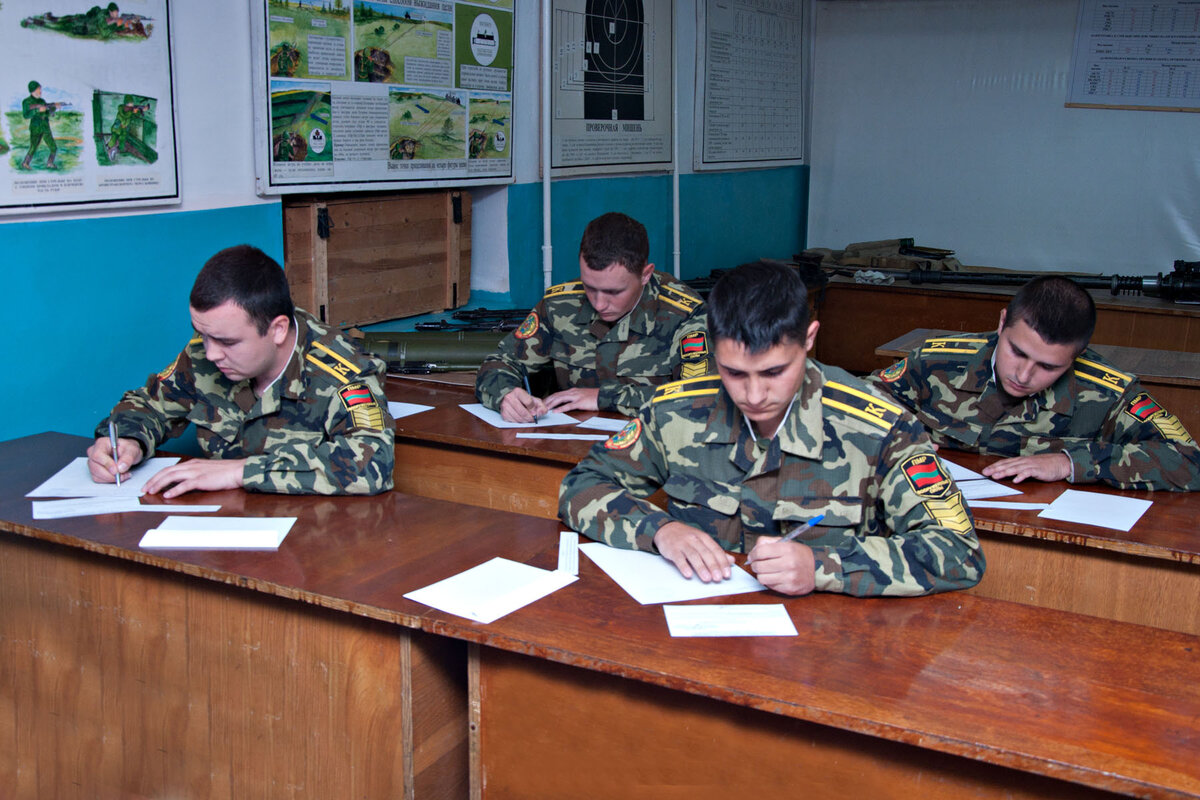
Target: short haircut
x: 251, y: 279
x: 1058, y: 309
x: 614, y: 238
x: 759, y: 305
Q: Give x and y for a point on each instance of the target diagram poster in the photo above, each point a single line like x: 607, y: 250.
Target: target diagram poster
x: 611, y: 79
x: 88, y: 111
x: 382, y: 94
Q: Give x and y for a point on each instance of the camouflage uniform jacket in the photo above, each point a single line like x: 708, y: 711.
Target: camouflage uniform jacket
x: 895, y: 523
x: 321, y: 428
x: 663, y: 338
x: 1110, y: 427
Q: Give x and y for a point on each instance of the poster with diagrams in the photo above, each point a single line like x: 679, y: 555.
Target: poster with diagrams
x: 88, y: 117
x: 750, y: 84
x: 611, y: 86
x: 382, y: 94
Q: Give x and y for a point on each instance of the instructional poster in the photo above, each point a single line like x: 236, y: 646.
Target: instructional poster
x: 611, y: 97
x: 750, y: 84
x: 88, y: 114
x: 382, y: 94
x: 1137, y: 54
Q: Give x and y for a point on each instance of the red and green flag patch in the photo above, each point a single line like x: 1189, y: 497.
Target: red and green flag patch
x: 925, y: 475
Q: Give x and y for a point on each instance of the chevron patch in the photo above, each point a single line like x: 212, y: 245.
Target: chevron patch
x: 951, y: 513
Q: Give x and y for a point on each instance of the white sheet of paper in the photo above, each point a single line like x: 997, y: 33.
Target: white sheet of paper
x: 86, y: 506
x: 74, y: 480
x: 219, y: 533
x: 1009, y: 506
x: 398, y: 410
x: 568, y: 552
x: 729, y: 620
x: 604, y: 424
x: 586, y: 437
x: 494, y: 419
x: 1094, y: 508
x: 650, y: 578
x: 974, y: 485
x: 489, y: 591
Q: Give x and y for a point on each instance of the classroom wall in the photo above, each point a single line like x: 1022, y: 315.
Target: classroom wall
x: 943, y: 120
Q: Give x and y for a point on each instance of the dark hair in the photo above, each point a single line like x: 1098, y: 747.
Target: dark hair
x: 251, y: 279
x: 1058, y: 309
x: 614, y: 238
x: 759, y: 305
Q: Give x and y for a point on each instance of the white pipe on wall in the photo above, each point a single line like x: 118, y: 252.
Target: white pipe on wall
x: 547, y: 242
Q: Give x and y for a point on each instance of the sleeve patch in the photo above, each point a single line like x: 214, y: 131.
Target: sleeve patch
x: 168, y: 370
x: 696, y: 370
x: 529, y: 327
x: 694, y: 346
x: 951, y: 513
x: 364, y: 411
x: 894, y: 372
x: 625, y: 437
x: 925, y: 475
x: 1142, y: 407
x: 1171, y: 427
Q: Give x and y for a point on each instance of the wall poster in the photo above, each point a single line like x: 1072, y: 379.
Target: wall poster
x: 88, y: 118
x: 611, y: 97
x: 382, y: 94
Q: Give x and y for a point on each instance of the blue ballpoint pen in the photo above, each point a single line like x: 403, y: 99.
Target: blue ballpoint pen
x: 112, y: 438
x: 803, y: 528
x: 529, y: 392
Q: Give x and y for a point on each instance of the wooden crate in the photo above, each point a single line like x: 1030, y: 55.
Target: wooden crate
x: 356, y: 259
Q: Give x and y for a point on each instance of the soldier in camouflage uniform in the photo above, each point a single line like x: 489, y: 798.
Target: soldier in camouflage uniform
x: 609, y: 338
x: 1034, y: 392
x: 773, y: 442
x: 280, y: 402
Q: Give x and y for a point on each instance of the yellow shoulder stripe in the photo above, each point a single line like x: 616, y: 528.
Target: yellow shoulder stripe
x: 570, y: 287
x: 857, y: 412
x: 870, y: 398
x: 688, y: 387
x: 688, y: 306
x: 327, y: 368
x: 345, y: 362
x: 953, y: 344
x: 1105, y: 370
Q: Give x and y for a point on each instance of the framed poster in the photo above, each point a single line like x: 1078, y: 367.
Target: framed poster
x: 611, y: 70
x: 88, y: 106
x: 381, y: 94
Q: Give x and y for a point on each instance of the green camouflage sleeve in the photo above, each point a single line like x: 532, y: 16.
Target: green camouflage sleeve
x: 1141, y: 446
x: 687, y: 355
x: 603, y: 497
x: 921, y: 539
x: 521, y: 353
x: 353, y: 454
x: 157, y: 411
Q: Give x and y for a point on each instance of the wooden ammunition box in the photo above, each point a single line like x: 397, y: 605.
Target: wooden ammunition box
x: 357, y: 259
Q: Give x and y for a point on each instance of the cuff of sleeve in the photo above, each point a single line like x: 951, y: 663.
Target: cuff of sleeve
x: 828, y: 576
x: 606, y: 400
x: 647, y: 528
x: 256, y: 476
x: 1084, y: 468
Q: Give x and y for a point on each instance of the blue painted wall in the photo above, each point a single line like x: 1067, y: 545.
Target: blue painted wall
x: 727, y: 218
x: 94, y: 306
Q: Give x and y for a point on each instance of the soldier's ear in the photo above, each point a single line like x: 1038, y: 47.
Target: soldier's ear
x: 647, y: 271
x: 277, y: 329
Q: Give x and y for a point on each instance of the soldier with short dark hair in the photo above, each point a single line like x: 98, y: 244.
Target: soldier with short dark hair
x: 281, y: 403
x: 1034, y: 392
x: 774, y: 441
x: 607, y: 339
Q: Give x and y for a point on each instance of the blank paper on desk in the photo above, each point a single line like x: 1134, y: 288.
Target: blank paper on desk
x: 1094, y: 508
x: 487, y: 592
x: 218, y: 533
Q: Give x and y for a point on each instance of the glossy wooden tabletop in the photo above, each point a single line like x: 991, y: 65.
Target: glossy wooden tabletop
x: 1107, y: 704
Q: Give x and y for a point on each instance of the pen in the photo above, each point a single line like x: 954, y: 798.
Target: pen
x: 112, y: 438
x: 529, y: 392
x: 803, y: 528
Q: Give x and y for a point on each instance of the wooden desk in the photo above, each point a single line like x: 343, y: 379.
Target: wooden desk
x: 449, y: 454
x: 1171, y: 376
x: 184, y: 674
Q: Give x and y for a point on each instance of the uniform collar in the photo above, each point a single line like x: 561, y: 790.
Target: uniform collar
x: 802, y: 432
x: 638, y: 320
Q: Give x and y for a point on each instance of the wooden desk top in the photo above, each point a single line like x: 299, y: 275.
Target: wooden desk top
x: 1153, y: 366
x: 1106, y: 704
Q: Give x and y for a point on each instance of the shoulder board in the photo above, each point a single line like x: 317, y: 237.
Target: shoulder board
x: 689, y: 387
x: 860, y: 404
x: 968, y: 345
x: 571, y: 287
x: 1101, y: 374
x: 676, y: 297
x: 197, y: 339
x: 325, y: 359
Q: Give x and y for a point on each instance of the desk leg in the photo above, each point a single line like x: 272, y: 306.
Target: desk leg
x: 123, y: 680
x: 547, y: 730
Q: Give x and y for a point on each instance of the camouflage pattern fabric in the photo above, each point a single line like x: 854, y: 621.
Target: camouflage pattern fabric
x: 322, y: 428
x: 1111, y: 428
x: 895, y: 523
x: 664, y: 338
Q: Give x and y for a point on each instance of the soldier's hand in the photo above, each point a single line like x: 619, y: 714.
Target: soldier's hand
x: 197, y: 474
x: 574, y: 399
x: 103, y: 466
x: 693, y: 551
x: 786, y: 567
x: 520, y: 406
x: 1044, y: 467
